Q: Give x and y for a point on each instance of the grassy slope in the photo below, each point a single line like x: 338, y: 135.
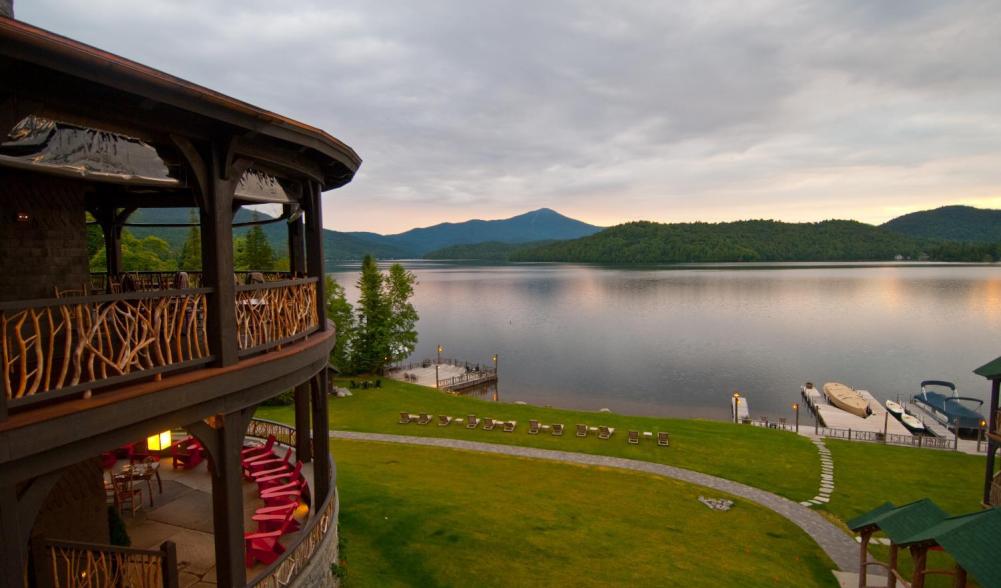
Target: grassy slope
x: 432, y: 517
x: 781, y: 462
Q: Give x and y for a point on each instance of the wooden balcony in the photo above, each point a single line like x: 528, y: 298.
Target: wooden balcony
x: 63, y: 348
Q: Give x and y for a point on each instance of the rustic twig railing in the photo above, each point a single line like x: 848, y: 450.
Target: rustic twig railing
x: 66, y: 345
x: 262, y: 429
x: 273, y: 314
x: 67, y: 564
x: 297, y: 554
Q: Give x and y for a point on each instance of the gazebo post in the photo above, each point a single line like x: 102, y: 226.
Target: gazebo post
x: 321, y: 437
x: 303, y: 438
x: 863, y: 557
x: 992, y: 445
x: 891, y: 578
x: 959, y: 577
x: 920, y: 557
x: 296, y: 246
x: 314, y: 247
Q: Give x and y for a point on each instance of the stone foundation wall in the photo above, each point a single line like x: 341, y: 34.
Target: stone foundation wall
x: 317, y: 574
x: 76, y: 509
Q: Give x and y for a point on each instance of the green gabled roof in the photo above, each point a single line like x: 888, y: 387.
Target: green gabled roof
x: 971, y: 540
x: 903, y: 521
x: 990, y: 370
x: 868, y: 519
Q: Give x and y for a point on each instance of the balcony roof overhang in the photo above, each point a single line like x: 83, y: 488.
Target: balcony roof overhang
x: 21, y: 44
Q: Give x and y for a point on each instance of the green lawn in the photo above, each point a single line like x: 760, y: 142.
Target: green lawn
x: 781, y: 462
x: 868, y: 474
x: 419, y: 516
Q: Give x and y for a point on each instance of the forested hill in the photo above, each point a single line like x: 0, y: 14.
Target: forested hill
x: 754, y: 240
x: 950, y: 223
x: 489, y: 251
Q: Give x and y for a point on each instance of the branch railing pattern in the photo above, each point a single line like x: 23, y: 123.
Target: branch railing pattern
x: 65, y: 564
x: 262, y: 429
x: 996, y: 490
x: 272, y: 314
x: 73, y: 344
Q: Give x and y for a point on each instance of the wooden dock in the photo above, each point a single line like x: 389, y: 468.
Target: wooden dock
x: 468, y: 379
x: 834, y: 418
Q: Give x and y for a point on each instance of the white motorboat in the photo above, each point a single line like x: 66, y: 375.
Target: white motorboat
x: 894, y: 408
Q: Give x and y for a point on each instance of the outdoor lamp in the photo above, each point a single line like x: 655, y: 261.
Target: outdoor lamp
x: 158, y: 442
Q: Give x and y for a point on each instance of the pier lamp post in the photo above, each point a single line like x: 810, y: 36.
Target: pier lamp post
x: 795, y: 409
x: 980, y: 433
x: 439, y: 349
x: 736, y: 406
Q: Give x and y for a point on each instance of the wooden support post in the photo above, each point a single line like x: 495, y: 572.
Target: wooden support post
x: 891, y: 579
x: 992, y: 445
x: 314, y: 247
x: 296, y: 247
x: 321, y: 437
x: 223, y: 436
x: 959, y: 578
x: 168, y: 564
x: 13, y: 549
x: 303, y: 439
x: 863, y: 557
x: 920, y: 557
x: 217, y: 259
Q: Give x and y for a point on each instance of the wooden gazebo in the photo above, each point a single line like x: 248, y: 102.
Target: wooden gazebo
x: 992, y: 479
x: 920, y: 526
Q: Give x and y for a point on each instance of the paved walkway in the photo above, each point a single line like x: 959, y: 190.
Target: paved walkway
x: 839, y: 546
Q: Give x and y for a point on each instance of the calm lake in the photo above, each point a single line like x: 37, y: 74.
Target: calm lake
x: 678, y: 342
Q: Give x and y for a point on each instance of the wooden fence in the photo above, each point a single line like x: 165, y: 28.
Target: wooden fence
x: 869, y: 436
x: 467, y: 379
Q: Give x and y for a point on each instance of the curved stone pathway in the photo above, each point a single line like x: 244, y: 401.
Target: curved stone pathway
x: 839, y: 546
x: 826, y: 474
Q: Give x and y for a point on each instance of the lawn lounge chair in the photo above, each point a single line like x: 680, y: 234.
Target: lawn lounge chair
x: 444, y: 421
x: 558, y: 430
x: 533, y: 427
x: 488, y: 424
x: 405, y: 418
x: 424, y: 419
x: 509, y: 426
x: 581, y: 431
x: 605, y: 432
x: 663, y: 439
x: 634, y: 438
x: 472, y: 421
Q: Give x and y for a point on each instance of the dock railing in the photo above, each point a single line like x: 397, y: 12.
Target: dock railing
x: 468, y: 379
x: 860, y: 435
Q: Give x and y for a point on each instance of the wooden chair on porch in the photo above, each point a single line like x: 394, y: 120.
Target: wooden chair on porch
x: 126, y: 494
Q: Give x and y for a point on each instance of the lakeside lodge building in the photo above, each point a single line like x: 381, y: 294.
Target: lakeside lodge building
x: 94, y: 364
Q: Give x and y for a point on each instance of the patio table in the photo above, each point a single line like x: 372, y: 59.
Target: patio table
x: 145, y: 472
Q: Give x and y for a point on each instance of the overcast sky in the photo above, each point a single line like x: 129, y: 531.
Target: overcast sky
x: 667, y: 111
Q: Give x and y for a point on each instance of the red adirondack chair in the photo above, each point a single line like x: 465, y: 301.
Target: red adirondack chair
x: 292, y: 492
x: 278, y: 479
x: 186, y: 453
x: 277, y: 518
x: 273, y: 465
x: 252, y: 450
x: 263, y: 547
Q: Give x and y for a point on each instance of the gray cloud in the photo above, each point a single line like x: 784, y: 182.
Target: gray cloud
x: 670, y: 111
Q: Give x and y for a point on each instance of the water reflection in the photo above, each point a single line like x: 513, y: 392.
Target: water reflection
x: 679, y: 341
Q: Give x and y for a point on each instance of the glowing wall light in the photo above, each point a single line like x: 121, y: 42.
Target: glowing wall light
x: 158, y: 442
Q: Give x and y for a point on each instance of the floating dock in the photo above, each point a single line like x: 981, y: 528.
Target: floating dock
x: 834, y: 418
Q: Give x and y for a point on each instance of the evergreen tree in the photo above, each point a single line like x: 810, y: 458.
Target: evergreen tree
x: 256, y: 253
x: 371, y: 342
x: 149, y: 254
x: 191, y: 250
x: 402, y: 331
x: 341, y: 313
